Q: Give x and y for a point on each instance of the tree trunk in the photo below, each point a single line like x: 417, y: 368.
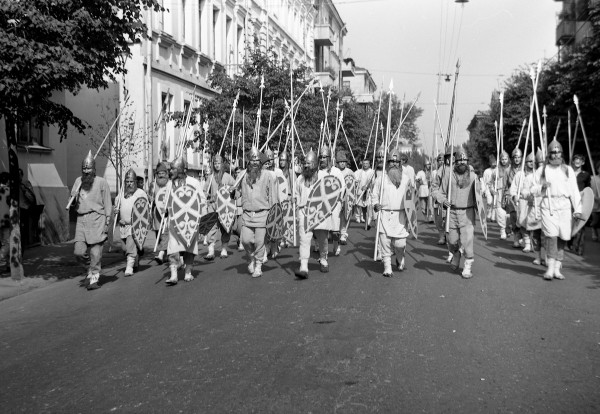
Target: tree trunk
x: 16, y: 258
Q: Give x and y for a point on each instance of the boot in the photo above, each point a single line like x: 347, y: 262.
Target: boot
x: 94, y: 282
x: 503, y: 234
x: 343, y: 239
x: 336, y: 249
x: 400, y: 264
x: 550, y: 269
x: 129, y: 267
x: 538, y: 259
x: 211, y: 252
x: 240, y: 246
x: 160, y: 257
x: 557, y: 274
x: 449, y: 258
x: 173, y: 279
x: 455, y: 262
x: 324, y: 265
x: 302, y: 273
x: 257, y: 270
x: 223, y: 253
x: 251, y: 266
x: 387, y: 267
x: 467, y: 273
x: 527, y: 248
x: 188, y: 276
x: 442, y: 239
x: 516, y: 243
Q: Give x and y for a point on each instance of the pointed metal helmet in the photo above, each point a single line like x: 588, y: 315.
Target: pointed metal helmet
x: 254, y: 154
x: 394, y: 155
x: 325, y: 151
x: 461, y: 155
x: 130, y: 174
x: 270, y: 154
x: 530, y: 157
x: 161, y: 166
x: 380, y: 152
x: 539, y: 157
x: 517, y: 153
x: 504, y: 154
x: 284, y: 156
x: 89, y: 161
x: 180, y: 164
x: 554, y: 146
x: 311, y: 158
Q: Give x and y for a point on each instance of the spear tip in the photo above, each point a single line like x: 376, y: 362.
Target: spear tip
x: 575, y: 100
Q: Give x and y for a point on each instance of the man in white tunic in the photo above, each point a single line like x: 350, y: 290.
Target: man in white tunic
x: 217, y: 179
x: 363, y: 176
x: 520, y: 190
x: 159, y: 191
x: 488, y: 182
x: 561, y: 202
x: 333, y: 222
x: 392, y: 229
x: 130, y: 194
x: 423, y: 180
x: 342, y: 160
x: 175, y: 247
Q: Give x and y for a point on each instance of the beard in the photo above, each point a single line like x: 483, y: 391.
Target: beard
x: 552, y: 160
x: 308, y: 173
x: 462, y: 179
x: 395, y: 175
x: 161, y: 182
x: 129, y: 190
x: 87, y: 180
x: 253, y: 174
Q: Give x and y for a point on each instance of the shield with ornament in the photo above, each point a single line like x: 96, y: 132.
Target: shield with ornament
x: 350, y: 199
x: 480, y: 208
x: 282, y: 186
x: 587, y: 205
x: 288, y: 221
x: 275, y: 222
x: 185, y: 215
x: 322, y: 199
x: 140, y: 221
x: 411, y: 210
x: 225, y: 208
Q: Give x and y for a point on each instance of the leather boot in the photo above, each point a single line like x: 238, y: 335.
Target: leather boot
x: 467, y: 272
x: 387, y: 267
x: 550, y: 269
x: 557, y: 273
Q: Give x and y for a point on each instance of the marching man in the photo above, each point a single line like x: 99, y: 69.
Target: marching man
x: 520, y: 192
x: 423, y: 181
x: 94, y: 209
x: 342, y: 160
x: 462, y: 207
x: 498, y: 191
x: 561, y: 202
x: 258, y: 196
x: 185, y: 201
x: 363, y: 177
x: 219, y: 178
x: 332, y: 223
x: 392, y: 230
x: 130, y: 194
x: 159, y: 192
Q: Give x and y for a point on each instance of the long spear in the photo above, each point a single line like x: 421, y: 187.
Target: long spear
x: 370, y: 135
x: 569, y: 134
x: 349, y: 147
x: 231, y: 118
x: 293, y: 153
x: 535, y: 77
x: 501, y: 126
x: 521, y: 133
x: 400, y: 124
x: 76, y: 190
x: 405, y: 116
x: 385, y: 141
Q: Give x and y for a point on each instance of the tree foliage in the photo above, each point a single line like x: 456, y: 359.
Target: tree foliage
x: 310, y: 116
x: 576, y: 72
x: 48, y: 46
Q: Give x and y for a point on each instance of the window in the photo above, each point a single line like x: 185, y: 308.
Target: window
x: 29, y: 133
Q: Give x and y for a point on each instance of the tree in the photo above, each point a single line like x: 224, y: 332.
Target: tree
x: 48, y: 46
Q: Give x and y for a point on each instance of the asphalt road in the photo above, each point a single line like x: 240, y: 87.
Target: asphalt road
x: 350, y: 341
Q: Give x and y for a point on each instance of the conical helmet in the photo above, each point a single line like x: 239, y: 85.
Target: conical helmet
x: 180, y: 164
x: 539, y: 157
x: 461, y: 155
x: 325, y: 151
x: 517, y: 153
x: 530, y: 157
x: 89, y: 161
x: 254, y: 154
x: 130, y: 175
x: 554, y: 146
x: 311, y: 158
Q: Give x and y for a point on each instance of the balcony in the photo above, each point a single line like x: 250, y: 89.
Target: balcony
x: 323, y: 35
x: 326, y: 78
x: 565, y: 32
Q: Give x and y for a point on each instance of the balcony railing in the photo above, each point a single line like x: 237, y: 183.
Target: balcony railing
x: 565, y: 32
x: 323, y: 35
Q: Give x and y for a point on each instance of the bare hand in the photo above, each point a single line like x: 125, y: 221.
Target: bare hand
x: 377, y: 207
x: 577, y: 216
x: 446, y: 204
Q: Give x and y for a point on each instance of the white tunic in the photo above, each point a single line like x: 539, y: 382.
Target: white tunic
x: 423, y: 185
x: 559, y: 200
x: 393, y: 215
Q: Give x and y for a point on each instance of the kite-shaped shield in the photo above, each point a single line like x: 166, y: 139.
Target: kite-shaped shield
x: 282, y: 185
x: 587, y: 204
x: 159, y: 204
x: 140, y: 221
x: 275, y: 222
x: 207, y: 222
x: 411, y: 211
x: 480, y: 208
x: 350, y: 200
x: 288, y: 221
x: 322, y: 199
x: 225, y: 208
x: 185, y: 215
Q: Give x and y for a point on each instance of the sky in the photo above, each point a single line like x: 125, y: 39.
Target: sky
x: 411, y: 41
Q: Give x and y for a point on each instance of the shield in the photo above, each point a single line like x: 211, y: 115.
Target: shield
x: 140, y: 221
x: 411, y: 211
x: 322, y: 199
x: 225, y: 208
x: 185, y: 214
x: 288, y: 222
x: 480, y: 208
x: 350, y: 200
x: 207, y: 222
x: 159, y: 205
x: 275, y: 222
x: 587, y: 204
x: 282, y: 186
